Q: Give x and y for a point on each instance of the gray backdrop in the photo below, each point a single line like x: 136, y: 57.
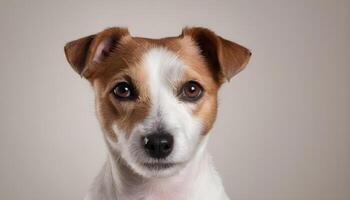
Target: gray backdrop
x: 283, y: 129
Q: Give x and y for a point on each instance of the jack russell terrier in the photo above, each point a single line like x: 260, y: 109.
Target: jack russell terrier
x: 156, y: 100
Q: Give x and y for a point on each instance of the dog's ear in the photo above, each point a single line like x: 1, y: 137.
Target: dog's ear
x: 224, y: 57
x: 85, y: 53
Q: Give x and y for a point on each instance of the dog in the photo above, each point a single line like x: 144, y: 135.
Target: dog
x: 156, y: 100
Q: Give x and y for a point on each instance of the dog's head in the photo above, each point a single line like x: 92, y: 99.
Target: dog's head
x: 156, y: 99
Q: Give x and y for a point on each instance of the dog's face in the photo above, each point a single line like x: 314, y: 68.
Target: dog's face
x: 156, y: 100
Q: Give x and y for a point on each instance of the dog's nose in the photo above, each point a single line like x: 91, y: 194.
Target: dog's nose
x: 158, y: 145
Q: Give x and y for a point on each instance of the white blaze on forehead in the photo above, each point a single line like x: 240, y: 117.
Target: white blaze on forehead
x: 164, y: 68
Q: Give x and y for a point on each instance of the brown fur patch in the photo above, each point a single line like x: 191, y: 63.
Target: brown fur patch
x: 122, y: 66
x: 198, y: 70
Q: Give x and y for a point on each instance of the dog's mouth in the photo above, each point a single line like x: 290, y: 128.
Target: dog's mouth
x: 159, y: 165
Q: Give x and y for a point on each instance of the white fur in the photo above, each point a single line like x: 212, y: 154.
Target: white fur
x: 193, y: 177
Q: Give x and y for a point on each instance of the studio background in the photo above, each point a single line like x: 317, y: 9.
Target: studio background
x: 283, y: 128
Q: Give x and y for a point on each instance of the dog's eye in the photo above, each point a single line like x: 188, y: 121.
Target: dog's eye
x: 191, y: 91
x: 124, y: 91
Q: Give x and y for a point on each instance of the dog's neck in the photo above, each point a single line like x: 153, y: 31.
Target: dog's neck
x: 197, y: 180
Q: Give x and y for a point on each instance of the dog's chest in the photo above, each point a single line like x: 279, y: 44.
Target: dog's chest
x: 160, y: 190
x: 189, y: 188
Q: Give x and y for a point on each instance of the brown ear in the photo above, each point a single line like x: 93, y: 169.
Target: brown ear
x: 76, y: 52
x: 225, y: 58
x: 85, y: 53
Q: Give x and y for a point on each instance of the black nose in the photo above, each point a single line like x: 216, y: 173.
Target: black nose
x: 158, y: 145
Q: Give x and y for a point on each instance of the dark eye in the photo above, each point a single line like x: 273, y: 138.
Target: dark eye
x: 124, y: 91
x: 191, y: 91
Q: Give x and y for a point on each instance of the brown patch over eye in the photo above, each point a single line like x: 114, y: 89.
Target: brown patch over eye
x: 191, y: 91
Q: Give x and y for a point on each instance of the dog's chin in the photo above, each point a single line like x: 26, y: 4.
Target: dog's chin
x: 158, y: 169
